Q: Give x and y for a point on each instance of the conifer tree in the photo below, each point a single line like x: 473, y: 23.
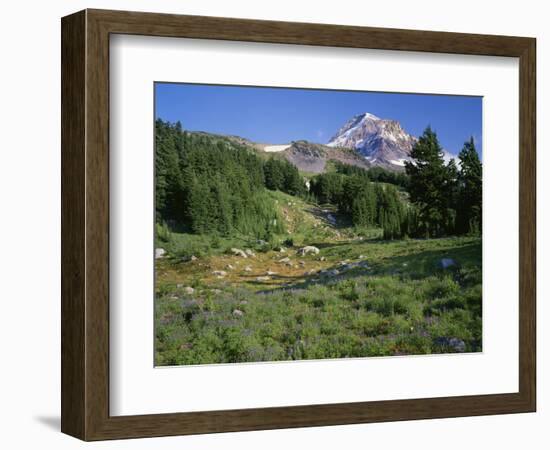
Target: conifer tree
x: 390, y: 212
x: 430, y: 184
x: 199, y: 208
x: 358, y: 200
x: 328, y: 187
x: 469, y: 204
x: 274, y: 175
x: 167, y: 173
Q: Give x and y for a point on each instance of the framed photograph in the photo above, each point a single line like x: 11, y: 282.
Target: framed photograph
x: 272, y: 225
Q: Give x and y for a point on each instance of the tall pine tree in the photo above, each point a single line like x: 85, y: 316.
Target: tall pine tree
x: 430, y: 185
x: 469, y: 201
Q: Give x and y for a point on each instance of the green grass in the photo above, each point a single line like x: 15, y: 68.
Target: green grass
x: 399, y: 303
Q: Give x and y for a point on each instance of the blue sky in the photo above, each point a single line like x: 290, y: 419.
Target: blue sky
x: 281, y: 115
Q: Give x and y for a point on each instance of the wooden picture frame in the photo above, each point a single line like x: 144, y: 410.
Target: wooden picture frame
x: 85, y: 224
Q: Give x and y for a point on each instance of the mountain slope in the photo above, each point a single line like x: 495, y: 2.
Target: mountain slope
x: 306, y: 156
x: 310, y: 157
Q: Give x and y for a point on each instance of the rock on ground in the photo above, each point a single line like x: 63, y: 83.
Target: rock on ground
x: 220, y: 273
x: 458, y: 345
x: 159, y: 253
x: 308, y: 249
x: 263, y: 278
x: 239, y: 252
x: 189, y: 304
x: 446, y: 263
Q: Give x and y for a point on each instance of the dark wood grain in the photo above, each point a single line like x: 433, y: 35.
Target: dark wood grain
x: 527, y: 224
x: 73, y: 113
x: 85, y: 224
x: 151, y: 24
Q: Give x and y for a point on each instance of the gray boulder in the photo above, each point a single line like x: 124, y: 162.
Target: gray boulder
x: 445, y: 263
x: 307, y: 250
x: 330, y: 273
x: 238, y: 313
x: 458, y: 345
x: 263, y: 278
x: 239, y: 252
x: 190, y: 304
x: 159, y: 253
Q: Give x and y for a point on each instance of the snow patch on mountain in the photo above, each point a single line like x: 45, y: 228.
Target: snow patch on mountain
x: 399, y: 162
x: 276, y: 148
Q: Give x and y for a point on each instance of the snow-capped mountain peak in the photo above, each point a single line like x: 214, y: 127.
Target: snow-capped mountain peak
x: 370, y: 116
x: 351, y: 127
x: 381, y: 141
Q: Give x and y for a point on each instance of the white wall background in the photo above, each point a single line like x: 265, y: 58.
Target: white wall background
x: 30, y: 221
